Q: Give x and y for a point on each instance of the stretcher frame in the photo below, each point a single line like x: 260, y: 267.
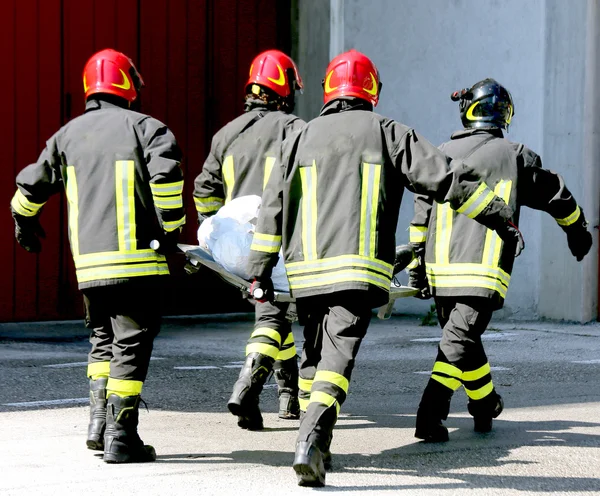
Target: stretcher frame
x: 198, y: 255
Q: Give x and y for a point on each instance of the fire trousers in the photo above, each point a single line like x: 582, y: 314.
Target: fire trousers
x: 272, y: 334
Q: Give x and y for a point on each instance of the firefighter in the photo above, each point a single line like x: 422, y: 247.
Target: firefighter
x: 332, y: 204
x: 120, y: 170
x: 240, y: 162
x: 467, y: 267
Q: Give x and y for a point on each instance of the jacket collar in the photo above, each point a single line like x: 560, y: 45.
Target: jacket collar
x: 463, y: 133
x: 95, y: 104
x: 345, y: 104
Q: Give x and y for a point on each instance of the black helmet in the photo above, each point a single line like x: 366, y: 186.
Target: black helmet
x: 487, y: 104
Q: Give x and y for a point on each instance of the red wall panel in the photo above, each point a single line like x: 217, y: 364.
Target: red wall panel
x: 194, y: 56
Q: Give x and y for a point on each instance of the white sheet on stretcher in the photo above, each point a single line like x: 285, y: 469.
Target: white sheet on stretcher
x: 227, y: 235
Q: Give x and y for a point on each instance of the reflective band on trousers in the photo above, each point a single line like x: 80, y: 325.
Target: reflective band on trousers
x: 98, y: 369
x: 123, y: 387
x: 473, y: 375
x: 308, y: 177
x: 480, y: 393
x: 333, y: 378
x: 305, y: 384
x: 325, y: 399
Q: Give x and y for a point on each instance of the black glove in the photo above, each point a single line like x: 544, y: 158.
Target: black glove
x: 405, y: 254
x: 510, y: 234
x: 201, y: 219
x: 418, y: 279
x: 167, y: 243
x: 579, y: 238
x: 28, y: 232
x: 262, y: 290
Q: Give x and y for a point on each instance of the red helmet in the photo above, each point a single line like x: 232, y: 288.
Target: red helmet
x: 352, y: 74
x: 275, y: 70
x: 109, y: 71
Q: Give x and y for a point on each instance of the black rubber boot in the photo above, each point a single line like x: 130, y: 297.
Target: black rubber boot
x: 485, y: 410
x: 286, y: 376
x: 97, y: 425
x: 244, y: 398
x: 122, y: 443
x: 309, y: 466
x: 433, y: 409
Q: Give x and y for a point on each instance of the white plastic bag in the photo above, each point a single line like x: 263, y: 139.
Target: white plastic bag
x: 228, y: 236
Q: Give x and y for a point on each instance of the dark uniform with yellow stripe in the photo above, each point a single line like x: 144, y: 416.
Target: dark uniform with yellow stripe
x: 123, y: 183
x: 469, y: 267
x: 240, y: 162
x: 333, y: 206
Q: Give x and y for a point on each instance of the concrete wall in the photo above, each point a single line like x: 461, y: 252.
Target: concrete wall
x: 538, y: 49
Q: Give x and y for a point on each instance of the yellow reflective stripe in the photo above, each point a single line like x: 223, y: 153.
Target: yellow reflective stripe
x: 172, y: 225
x: 467, y: 269
x: 269, y: 163
x: 332, y: 377
x: 473, y: 375
x: 210, y: 204
x: 23, y: 206
x: 286, y: 354
x: 315, y: 280
x: 121, y: 271
x: 266, y: 242
x: 414, y: 264
x: 443, y: 233
x: 480, y: 393
x: 448, y: 369
x: 125, y: 191
x: 567, y: 221
x: 123, y: 388
x: 265, y: 349
x: 98, y: 369
x: 339, y: 262
x: 417, y: 234
x: 476, y: 202
x: 305, y: 384
x: 73, y: 199
x: 289, y: 339
x: 228, y: 177
x: 368, y: 212
x: 467, y: 282
x: 308, y: 177
x: 166, y: 189
x: 493, y: 243
x: 168, y: 202
x: 270, y: 333
x: 453, y: 384
x: 303, y: 404
x: 111, y: 257
x: 325, y: 399
x: 267, y: 249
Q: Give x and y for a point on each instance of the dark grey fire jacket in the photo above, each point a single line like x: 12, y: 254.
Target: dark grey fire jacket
x: 462, y: 257
x: 334, y: 200
x: 241, y: 157
x: 120, y: 170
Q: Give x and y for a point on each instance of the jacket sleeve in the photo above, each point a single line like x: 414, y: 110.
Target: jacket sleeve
x: 266, y: 243
x: 544, y: 190
x: 209, y: 193
x: 428, y: 171
x: 36, y: 183
x: 420, y: 222
x: 163, y: 158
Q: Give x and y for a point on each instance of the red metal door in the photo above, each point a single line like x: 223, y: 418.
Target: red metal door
x: 194, y: 56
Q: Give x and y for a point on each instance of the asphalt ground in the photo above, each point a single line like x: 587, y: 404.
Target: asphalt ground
x: 546, y: 442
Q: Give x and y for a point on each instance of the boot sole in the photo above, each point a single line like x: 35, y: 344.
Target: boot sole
x: 113, y: 458
x: 308, y: 477
x: 289, y: 415
x: 428, y: 438
x: 95, y: 445
x: 243, y: 422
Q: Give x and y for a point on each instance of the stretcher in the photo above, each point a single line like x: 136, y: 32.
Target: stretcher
x: 197, y: 255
